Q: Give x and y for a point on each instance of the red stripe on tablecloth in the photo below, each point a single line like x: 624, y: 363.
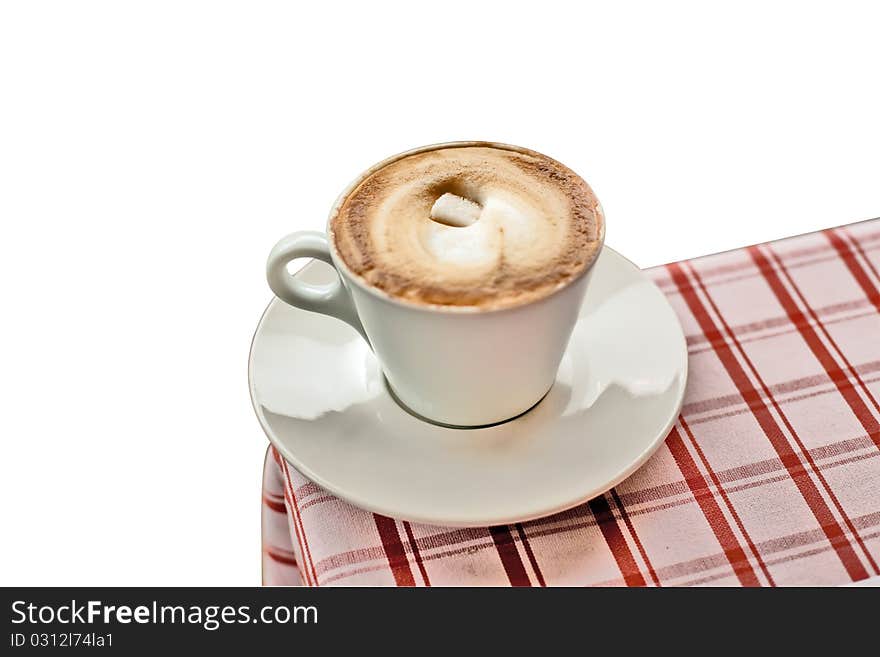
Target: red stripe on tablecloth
x: 712, y: 512
x: 829, y: 364
x: 870, y: 312
x: 632, y: 532
x: 771, y: 429
x: 394, y: 550
x: 856, y: 244
x: 793, y: 385
x: 855, y: 268
x: 703, y: 564
x: 835, y: 373
x: 278, y: 507
x: 509, y: 555
x: 787, y: 400
x: 273, y: 554
x: 626, y: 562
x: 524, y: 539
x: 299, y: 538
x: 726, y: 499
x: 296, y: 528
x: 309, y: 570
x: 781, y: 321
x: 773, y: 562
x: 414, y: 546
x: 308, y: 489
x: 316, y: 500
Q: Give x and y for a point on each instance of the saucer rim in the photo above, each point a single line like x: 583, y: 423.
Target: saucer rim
x: 356, y: 501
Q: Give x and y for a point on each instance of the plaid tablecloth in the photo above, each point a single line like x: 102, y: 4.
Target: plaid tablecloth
x: 771, y: 476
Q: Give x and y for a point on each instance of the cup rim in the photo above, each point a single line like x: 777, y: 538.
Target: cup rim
x: 357, y: 280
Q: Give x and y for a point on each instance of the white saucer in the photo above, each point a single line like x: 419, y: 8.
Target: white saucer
x: 322, y: 401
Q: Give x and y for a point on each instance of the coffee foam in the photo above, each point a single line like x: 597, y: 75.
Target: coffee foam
x: 538, y: 225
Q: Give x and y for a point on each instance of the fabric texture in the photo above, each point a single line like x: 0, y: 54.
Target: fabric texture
x: 771, y: 475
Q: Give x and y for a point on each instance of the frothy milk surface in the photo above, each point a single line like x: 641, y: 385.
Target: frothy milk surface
x: 478, y: 225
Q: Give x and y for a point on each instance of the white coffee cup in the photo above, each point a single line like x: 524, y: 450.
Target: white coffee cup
x: 451, y: 365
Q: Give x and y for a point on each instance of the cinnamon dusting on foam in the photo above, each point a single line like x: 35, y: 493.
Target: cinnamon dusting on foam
x: 540, y: 226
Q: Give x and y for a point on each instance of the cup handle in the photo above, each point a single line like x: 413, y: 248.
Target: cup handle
x: 330, y: 299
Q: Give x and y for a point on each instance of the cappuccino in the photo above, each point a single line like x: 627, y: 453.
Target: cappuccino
x: 474, y: 225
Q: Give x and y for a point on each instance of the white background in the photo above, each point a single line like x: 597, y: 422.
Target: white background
x: 151, y: 154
